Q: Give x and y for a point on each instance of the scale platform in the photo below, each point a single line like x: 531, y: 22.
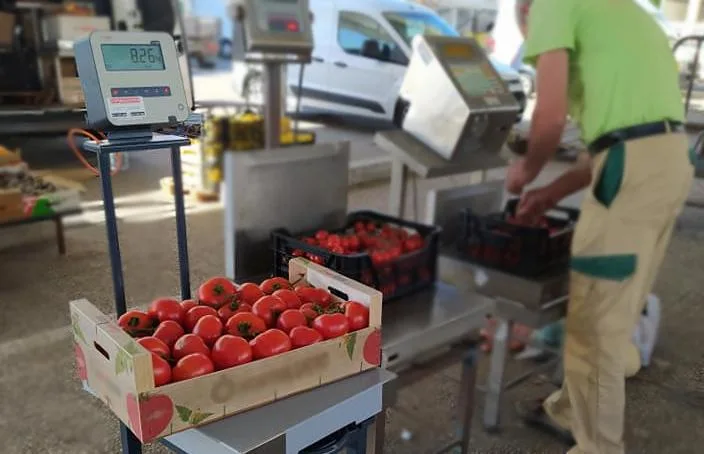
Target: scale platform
x: 427, y: 322
x: 293, y: 424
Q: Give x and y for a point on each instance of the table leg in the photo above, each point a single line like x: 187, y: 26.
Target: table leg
x: 60, y: 234
x: 376, y: 434
x: 495, y: 380
x: 467, y: 393
x: 397, y: 191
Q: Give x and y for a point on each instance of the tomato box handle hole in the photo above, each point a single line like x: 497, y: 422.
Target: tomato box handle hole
x: 342, y: 295
x: 101, y: 350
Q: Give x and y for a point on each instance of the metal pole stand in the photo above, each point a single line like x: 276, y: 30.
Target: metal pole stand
x: 140, y: 141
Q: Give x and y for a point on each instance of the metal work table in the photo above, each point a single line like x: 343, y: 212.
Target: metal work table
x: 531, y: 302
x: 292, y: 424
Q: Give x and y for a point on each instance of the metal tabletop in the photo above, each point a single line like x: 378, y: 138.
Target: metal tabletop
x: 294, y: 423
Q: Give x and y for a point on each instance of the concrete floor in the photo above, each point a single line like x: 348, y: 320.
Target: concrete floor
x: 43, y: 410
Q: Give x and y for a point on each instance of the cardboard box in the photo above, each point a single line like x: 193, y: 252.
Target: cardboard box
x: 64, y: 27
x: 7, y: 28
x: 71, y: 91
x: 10, y: 205
x: 118, y: 370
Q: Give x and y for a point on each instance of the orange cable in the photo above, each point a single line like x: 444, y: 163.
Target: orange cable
x: 72, y: 144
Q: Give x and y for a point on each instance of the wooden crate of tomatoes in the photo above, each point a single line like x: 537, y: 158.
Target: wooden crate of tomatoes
x: 179, y: 364
x: 395, y: 256
x: 501, y: 242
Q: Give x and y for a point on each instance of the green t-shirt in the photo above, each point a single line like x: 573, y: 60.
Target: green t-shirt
x: 622, y: 70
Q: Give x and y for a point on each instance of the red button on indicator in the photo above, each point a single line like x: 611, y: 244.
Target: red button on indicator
x: 115, y: 92
x: 292, y: 26
x: 167, y: 90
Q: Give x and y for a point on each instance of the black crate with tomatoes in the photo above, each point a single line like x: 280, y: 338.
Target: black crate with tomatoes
x: 501, y: 242
x: 395, y: 256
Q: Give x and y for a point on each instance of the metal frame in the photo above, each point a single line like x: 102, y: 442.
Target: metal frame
x: 103, y: 150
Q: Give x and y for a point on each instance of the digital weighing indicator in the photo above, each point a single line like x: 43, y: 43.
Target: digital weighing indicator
x: 131, y: 79
x: 279, y: 27
x: 467, y: 106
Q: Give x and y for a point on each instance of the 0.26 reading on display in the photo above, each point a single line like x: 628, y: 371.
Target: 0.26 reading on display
x: 132, y: 57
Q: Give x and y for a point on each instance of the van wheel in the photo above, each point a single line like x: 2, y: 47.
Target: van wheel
x: 400, y: 111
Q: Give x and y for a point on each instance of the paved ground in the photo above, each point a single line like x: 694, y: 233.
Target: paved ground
x: 44, y: 411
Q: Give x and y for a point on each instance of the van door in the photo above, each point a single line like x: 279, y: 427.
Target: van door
x: 315, y: 74
x: 367, y: 63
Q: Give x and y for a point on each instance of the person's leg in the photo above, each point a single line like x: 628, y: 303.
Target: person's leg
x: 617, y: 249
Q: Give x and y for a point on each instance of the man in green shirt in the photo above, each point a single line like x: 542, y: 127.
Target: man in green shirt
x: 607, y: 65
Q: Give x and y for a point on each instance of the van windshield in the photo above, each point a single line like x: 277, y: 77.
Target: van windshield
x: 409, y: 24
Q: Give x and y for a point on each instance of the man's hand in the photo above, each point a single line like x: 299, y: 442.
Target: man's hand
x: 517, y: 177
x: 535, y: 203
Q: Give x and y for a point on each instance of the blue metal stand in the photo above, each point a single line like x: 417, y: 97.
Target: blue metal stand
x: 138, y: 143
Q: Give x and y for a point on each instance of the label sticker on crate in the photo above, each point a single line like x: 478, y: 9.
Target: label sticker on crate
x: 127, y: 107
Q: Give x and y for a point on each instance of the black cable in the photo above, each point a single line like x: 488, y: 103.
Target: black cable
x: 298, y: 103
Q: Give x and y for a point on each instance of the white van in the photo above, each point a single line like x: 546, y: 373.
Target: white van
x: 362, y: 49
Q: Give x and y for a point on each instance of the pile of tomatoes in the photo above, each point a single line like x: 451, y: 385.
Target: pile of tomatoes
x: 228, y: 325
x: 384, y: 242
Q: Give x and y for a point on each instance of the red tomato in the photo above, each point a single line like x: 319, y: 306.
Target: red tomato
x: 135, y: 323
x: 230, y: 309
x: 155, y: 345
x: 371, y: 227
x: 289, y: 297
x: 169, y: 332
x: 290, y: 319
x: 357, y: 315
x: 195, y: 314
x: 310, y: 312
x: 245, y: 324
x: 321, y: 235
x: 353, y: 243
x: 191, y: 366
x: 189, y: 343
x: 161, y: 369
x: 337, y: 250
x: 270, y: 343
x: 269, y: 286
x: 208, y: 328
x: 164, y: 309
x: 188, y: 305
x: 268, y: 308
x: 249, y: 293
x: 216, y: 291
x: 302, y: 336
x: 314, y: 295
x: 230, y: 351
x: 331, y: 325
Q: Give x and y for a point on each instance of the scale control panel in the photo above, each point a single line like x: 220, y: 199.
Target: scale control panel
x: 131, y: 79
x: 280, y: 27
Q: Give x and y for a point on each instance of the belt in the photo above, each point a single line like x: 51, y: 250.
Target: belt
x: 606, y: 141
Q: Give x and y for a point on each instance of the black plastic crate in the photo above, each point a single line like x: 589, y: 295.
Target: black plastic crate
x: 408, y: 273
x: 495, y: 242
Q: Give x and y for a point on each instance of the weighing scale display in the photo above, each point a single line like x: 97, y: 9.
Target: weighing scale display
x: 132, y: 57
x: 280, y: 16
x: 131, y: 79
x: 476, y: 81
x: 457, y: 51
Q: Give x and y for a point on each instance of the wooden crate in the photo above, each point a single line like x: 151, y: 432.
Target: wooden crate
x: 10, y: 205
x: 118, y: 370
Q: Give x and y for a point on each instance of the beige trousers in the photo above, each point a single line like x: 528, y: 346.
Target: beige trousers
x: 638, y: 189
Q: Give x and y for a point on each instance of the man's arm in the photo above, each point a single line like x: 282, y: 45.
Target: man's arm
x: 550, y: 114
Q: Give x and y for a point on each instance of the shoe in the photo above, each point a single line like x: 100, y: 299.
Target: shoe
x: 534, y: 415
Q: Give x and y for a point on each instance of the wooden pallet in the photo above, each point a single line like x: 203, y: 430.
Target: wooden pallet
x: 167, y: 186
